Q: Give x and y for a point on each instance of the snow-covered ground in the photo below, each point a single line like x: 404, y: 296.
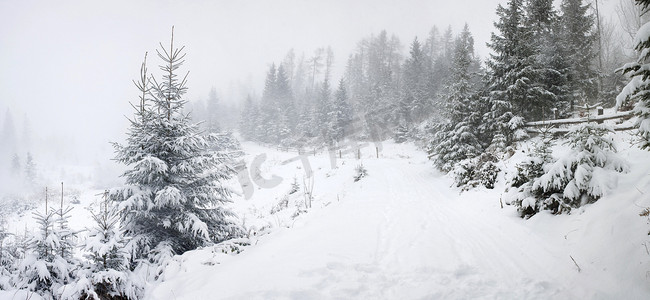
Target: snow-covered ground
x: 403, y: 232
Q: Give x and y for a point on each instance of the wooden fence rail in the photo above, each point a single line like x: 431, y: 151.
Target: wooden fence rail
x: 618, y: 115
x: 551, y: 126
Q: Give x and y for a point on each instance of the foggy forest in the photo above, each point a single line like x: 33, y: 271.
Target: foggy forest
x: 325, y: 149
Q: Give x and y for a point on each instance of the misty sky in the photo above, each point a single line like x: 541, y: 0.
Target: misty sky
x: 68, y: 65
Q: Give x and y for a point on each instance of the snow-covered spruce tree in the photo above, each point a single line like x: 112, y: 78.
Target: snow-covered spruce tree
x: 373, y: 77
x: 277, y: 114
x: 441, y: 71
x: 340, y: 115
x: 30, y: 171
x: 322, y: 113
x: 639, y: 86
x: 248, y: 120
x: 415, y: 103
x: 105, y: 273
x: 212, y: 112
x: 7, y: 258
x: 401, y: 133
x: 174, y: 194
x: 520, y: 186
x: 286, y: 103
x: 546, y: 70
x: 481, y: 170
x: 457, y: 139
x: 507, y: 80
x: 44, y: 269
x: 580, y: 177
x: 15, y: 165
x: 578, y: 40
x: 269, y: 113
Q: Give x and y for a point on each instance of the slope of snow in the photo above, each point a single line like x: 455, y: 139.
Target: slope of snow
x: 404, y: 233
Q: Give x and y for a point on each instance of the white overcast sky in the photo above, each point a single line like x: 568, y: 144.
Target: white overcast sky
x: 68, y: 65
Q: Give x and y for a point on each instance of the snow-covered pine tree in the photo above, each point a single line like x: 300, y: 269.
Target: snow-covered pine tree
x: 287, y: 105
x: 481, y: 170
x: 415, y: 103
x: 30, y: 170
x: 441, y: 72
x: 322, y: 117
x: 66, y: 234
x: 507, y: 81
x: 520, y: 186
x: 174, y: 194
x: 638, y: 87
x: 578, y: 40
x: 106, y: 273
x: 432, y: 47
x: 436, y: 71
x: 212, y: 107
x: 555, y: 69
x: 15, y: 165
x: 373, y: 77
x: 269, y: 109
x: 7, y: 258
x: 36, y: 269
x: 44, y: 269
x: 457, y: 140
x: 305, y: 128
x: 401, y: 133
x: 340, y: 116
x: 581, y: 177
x: 547, y: 70
x: 248, y: 120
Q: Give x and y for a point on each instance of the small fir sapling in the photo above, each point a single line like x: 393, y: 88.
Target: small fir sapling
x: 361, y: 172
x: 521, y: 193
x: 48, y: 265
x: 30, y: 171
x: 478, y: 171
x: 295, y: 186
x: 106, y: 272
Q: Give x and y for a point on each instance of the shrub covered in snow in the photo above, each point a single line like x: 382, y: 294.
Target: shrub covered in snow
x: 580, y: 177
x: 478, y: 171
x: 7, y: 258
x: 361, y: 172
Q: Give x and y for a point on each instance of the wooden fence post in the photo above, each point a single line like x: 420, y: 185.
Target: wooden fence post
x: 600, y: 113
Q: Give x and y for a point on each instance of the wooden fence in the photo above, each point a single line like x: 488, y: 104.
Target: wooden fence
x: 551, y: 126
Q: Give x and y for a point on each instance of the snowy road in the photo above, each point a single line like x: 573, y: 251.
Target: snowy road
x: 400, y: 233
